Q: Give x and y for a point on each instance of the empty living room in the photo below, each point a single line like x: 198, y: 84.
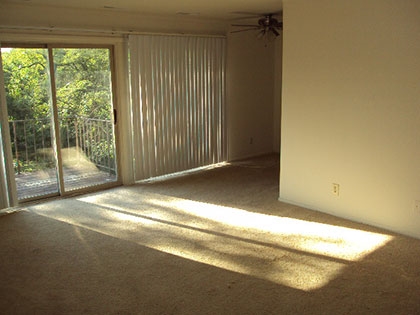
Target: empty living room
x: 223, y: 157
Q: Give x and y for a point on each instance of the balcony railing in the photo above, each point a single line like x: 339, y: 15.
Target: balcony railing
x: 81, y: 137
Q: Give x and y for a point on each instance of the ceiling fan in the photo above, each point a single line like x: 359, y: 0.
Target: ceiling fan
x: 267, y: 25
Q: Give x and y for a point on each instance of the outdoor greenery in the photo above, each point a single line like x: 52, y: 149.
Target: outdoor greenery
x: 26, y: 80
x: 83, y: 94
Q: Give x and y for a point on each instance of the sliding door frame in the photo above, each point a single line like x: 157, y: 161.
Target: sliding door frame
x: 8, y: 192
x: 11, y: 189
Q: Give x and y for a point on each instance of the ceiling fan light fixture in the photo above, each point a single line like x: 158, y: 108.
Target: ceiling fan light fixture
x: 268, y: 25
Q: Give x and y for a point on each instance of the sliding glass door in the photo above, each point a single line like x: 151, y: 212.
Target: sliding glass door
x: 28, y: 98
x: 60, y: 114
x: 84, y: 104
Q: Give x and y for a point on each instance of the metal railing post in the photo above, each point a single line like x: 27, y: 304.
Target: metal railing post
x: 16, y: 147
x: 76, y: 133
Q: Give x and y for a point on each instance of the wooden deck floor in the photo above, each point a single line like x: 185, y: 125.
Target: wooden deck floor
x: 45, y: 182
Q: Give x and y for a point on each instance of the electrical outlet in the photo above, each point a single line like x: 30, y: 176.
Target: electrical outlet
x: 417, y: 206
x: 336, y: 189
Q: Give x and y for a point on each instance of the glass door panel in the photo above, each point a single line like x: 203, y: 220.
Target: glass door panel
x: 60, y: 115
x: 84, y: 103
x: 28, y: 99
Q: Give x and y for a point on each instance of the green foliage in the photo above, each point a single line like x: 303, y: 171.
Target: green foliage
x: 83, y: 91
x: 26, y: 79
x: 27, y: 166
x: 82, y: 83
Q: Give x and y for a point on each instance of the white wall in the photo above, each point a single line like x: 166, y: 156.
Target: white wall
x: 278, y: 64
x: 351, y: 109
x: 250, y: 96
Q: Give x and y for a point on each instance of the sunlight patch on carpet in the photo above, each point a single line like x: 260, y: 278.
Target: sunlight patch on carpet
x: 312, y: 237
x: 301, y: 254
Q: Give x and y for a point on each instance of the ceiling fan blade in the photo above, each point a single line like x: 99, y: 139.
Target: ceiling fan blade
x: 275, y: 31
x: 244, y: 30
x: 251, y: 15
x: 261, y: 34
x: 247, y: 15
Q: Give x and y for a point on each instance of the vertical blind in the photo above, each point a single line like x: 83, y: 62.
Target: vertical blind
x: 178, y: 95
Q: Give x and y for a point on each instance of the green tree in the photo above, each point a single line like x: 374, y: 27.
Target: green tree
x: 26, y: 82
x: 83, y: 83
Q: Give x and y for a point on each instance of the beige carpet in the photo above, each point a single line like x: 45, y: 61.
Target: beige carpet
x: 217, y: 242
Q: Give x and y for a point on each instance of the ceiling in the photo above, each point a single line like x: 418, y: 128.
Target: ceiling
x: 206, y: 9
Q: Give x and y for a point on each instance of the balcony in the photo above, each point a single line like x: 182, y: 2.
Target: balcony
x: 87, y: 155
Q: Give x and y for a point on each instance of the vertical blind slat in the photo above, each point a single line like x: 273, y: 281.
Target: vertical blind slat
x: 178, y: 102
